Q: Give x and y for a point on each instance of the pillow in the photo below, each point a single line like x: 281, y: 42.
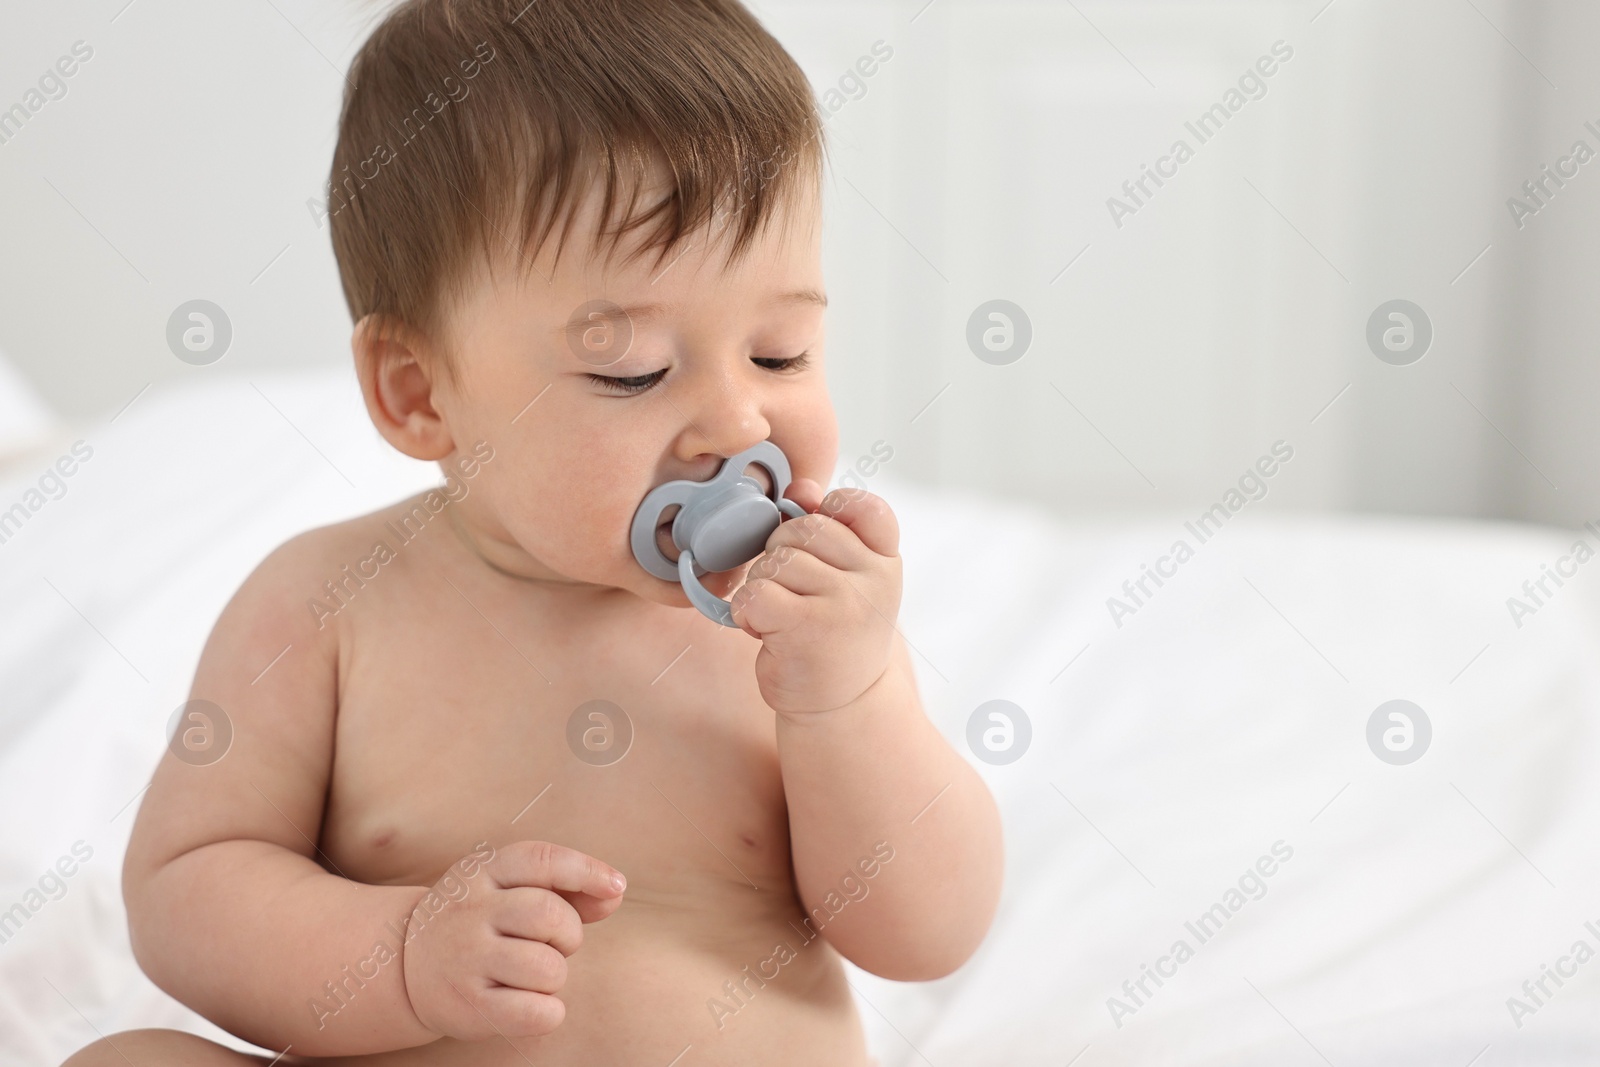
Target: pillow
x: 25, y: 420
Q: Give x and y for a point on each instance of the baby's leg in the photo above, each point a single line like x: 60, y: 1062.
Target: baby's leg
x: 160, y: 1048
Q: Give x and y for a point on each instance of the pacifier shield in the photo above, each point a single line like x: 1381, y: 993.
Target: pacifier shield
x: 721, y: 523
x: 735, y: 533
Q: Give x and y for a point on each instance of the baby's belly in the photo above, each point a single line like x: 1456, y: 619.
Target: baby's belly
x: 690, y: 983
x: 697, y: 966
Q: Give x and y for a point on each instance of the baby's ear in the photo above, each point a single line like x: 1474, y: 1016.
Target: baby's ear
x: 398, y: 382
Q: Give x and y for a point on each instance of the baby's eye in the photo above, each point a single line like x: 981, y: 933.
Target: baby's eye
x: 780, y: 364
x: 643, y: 382
x: 636, y: 384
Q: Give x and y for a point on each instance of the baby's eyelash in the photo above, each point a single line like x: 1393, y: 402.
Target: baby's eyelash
x: 637, y: 384
x: 644, y: 382
x: 784, y: 364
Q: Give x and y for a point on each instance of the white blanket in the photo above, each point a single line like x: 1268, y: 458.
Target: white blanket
x: 1226, y: 716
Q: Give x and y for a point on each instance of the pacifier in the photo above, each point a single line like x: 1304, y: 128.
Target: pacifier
x: 721, y: 523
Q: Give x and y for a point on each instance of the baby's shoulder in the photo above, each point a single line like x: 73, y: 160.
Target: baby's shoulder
x: 285, y: 588
x: 307, y: 555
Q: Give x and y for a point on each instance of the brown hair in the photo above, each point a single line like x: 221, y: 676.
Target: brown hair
x: 471, y: 121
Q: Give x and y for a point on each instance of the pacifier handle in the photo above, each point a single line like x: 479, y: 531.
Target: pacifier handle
x: 711, y: 606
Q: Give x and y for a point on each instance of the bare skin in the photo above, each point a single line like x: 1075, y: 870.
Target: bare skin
x: 400, y: 858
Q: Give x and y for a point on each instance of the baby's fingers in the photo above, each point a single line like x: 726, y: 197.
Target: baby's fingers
x: 539, y: 915
x: 528, y: 965
x: 515, y: 1012
x: 868, y: 515
x: 550, y: 866
x: 590, y: 909
x: 762, y: 607
x: 805, y: 492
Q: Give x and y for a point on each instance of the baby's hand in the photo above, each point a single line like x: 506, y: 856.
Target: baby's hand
x: 492, y: 961
x: 822, y: 600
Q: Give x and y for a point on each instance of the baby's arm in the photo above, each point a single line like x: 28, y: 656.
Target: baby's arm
x: 862, y: 765
x: 861, y: 774
x: 228, y: 908
x: 231, y: 912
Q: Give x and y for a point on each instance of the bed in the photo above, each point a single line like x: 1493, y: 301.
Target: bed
x: 1178, y: 753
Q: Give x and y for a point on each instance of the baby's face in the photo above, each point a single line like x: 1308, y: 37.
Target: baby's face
x: 721, y: 357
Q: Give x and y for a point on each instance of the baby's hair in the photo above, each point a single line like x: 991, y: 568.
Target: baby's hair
x: 474, y: 123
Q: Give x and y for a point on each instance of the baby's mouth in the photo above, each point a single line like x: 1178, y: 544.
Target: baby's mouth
x: 757, y: 473
x: 664, y: 535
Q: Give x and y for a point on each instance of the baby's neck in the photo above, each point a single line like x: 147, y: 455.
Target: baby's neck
x: 498, y: 556
x: 511, y: 561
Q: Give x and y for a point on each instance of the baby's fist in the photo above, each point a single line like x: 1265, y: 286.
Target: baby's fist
x: 822, y: 600
x: 487, y: 955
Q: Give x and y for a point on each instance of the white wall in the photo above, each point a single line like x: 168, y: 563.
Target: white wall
x: 1551, y: 317
x: 1223, y: 316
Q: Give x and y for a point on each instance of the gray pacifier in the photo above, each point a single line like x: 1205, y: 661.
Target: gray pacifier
x: 721, y: 523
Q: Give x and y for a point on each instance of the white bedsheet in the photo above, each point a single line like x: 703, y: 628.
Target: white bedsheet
x: 1227, y: 715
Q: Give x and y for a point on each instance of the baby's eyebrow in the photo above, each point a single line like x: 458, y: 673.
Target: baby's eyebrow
x: 802, y: 296
x: 646, y: 312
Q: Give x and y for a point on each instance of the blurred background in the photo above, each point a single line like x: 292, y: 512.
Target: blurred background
x: 1174, y: 339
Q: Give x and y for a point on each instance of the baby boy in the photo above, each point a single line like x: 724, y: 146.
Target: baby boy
x: 493, y: 794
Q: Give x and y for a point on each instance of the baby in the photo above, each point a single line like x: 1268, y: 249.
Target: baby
x: 492, y: 793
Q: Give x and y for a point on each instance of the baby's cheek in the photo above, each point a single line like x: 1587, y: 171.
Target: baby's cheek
x: 584, y: 534
x: 814, y: 437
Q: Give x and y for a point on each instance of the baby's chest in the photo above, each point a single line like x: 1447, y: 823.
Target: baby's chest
x: 652, y: 758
